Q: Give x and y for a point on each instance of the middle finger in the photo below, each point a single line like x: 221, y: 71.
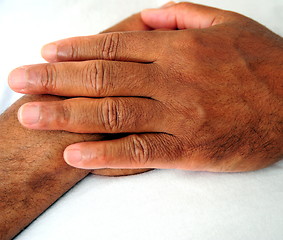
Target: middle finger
x: 97, y: 78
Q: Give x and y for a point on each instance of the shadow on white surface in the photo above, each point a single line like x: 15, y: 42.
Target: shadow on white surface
x: 162, y: 204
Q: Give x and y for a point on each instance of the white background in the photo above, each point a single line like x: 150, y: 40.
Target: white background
x: 162, y: 204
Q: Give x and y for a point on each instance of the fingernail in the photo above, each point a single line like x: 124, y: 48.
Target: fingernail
x: 72, y: 156
x: 169, y: 4
x: 49, y: 52
x: 29, y: 114
x: 17, y: 79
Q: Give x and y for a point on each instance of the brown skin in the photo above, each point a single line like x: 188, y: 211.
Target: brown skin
x: 132, y: 23
x: 33, y: 174
x: 215, y: 87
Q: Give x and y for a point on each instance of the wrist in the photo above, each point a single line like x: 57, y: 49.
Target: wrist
x: 33, y: 174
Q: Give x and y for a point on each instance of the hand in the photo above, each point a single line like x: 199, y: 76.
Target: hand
x: 132, y: 23
x: 205, y: 98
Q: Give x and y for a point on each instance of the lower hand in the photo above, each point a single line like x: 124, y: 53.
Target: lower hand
x: 208, y: 97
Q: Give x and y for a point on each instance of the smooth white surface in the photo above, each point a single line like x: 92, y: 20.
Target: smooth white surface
x: 162, y: 204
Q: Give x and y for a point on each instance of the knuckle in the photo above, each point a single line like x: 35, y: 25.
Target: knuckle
x: 140, y: 151
x: 110, y: 45
x: 61, y: 116
x: 100, y: 157
x: 73, y: 48
x: 94, y: 77
x: 111, y: 115
x: 54, y: 115
x: 65, y: 119
x: 67, y: 49
x: 47, y: 78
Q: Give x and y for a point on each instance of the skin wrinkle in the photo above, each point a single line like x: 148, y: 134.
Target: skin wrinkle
x: 222, y: 117
x: 32, y: 171
x: 110, y: 46
x: 47, y: 79
x: 32, y: 185
x: 98, y: 78
x: 210, y: 90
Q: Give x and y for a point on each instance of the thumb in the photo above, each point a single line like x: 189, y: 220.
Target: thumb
x: 182, y: 16
x: 132, y: 23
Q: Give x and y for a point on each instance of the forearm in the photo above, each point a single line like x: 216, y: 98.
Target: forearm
x: 33, y: 173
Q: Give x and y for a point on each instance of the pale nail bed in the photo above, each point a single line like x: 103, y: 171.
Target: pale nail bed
x: 49, y: 52
x: 29, y: 114
x: 17, y: 79
x: 72, y: 156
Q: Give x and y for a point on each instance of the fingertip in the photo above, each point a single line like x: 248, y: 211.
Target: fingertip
x: 29, y: 114
x: 17, y: 79
x: 49, y: 52
x: 169, y: 4
x: 166, y: 5
x: 158, y: 18
x: 73, y: 156
x: 84, y: 156
x: 19, y: 114
x: 148, y: 11
x: 161, y: 9
x: 149, y: 14
x: 184, y: 15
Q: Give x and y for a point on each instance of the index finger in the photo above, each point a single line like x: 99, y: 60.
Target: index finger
x: 137, y: 46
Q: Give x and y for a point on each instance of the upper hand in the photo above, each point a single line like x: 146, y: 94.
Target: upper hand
x: 204, y: 98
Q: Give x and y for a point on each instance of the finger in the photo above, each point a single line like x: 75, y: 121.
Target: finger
x: 183, y: 16
x: 168, y: 4
x: 132, y: 23
x: 134, y: 151
x: 136, y: 46
x: 106, y: 115
x: 119, y: 172
x: 86, y: 78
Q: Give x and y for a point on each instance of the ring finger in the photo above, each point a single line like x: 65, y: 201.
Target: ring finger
x: 105, y: 115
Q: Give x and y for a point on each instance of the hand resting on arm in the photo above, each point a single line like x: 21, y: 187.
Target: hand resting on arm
x: 207, y: 96
x: 33, y: 174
